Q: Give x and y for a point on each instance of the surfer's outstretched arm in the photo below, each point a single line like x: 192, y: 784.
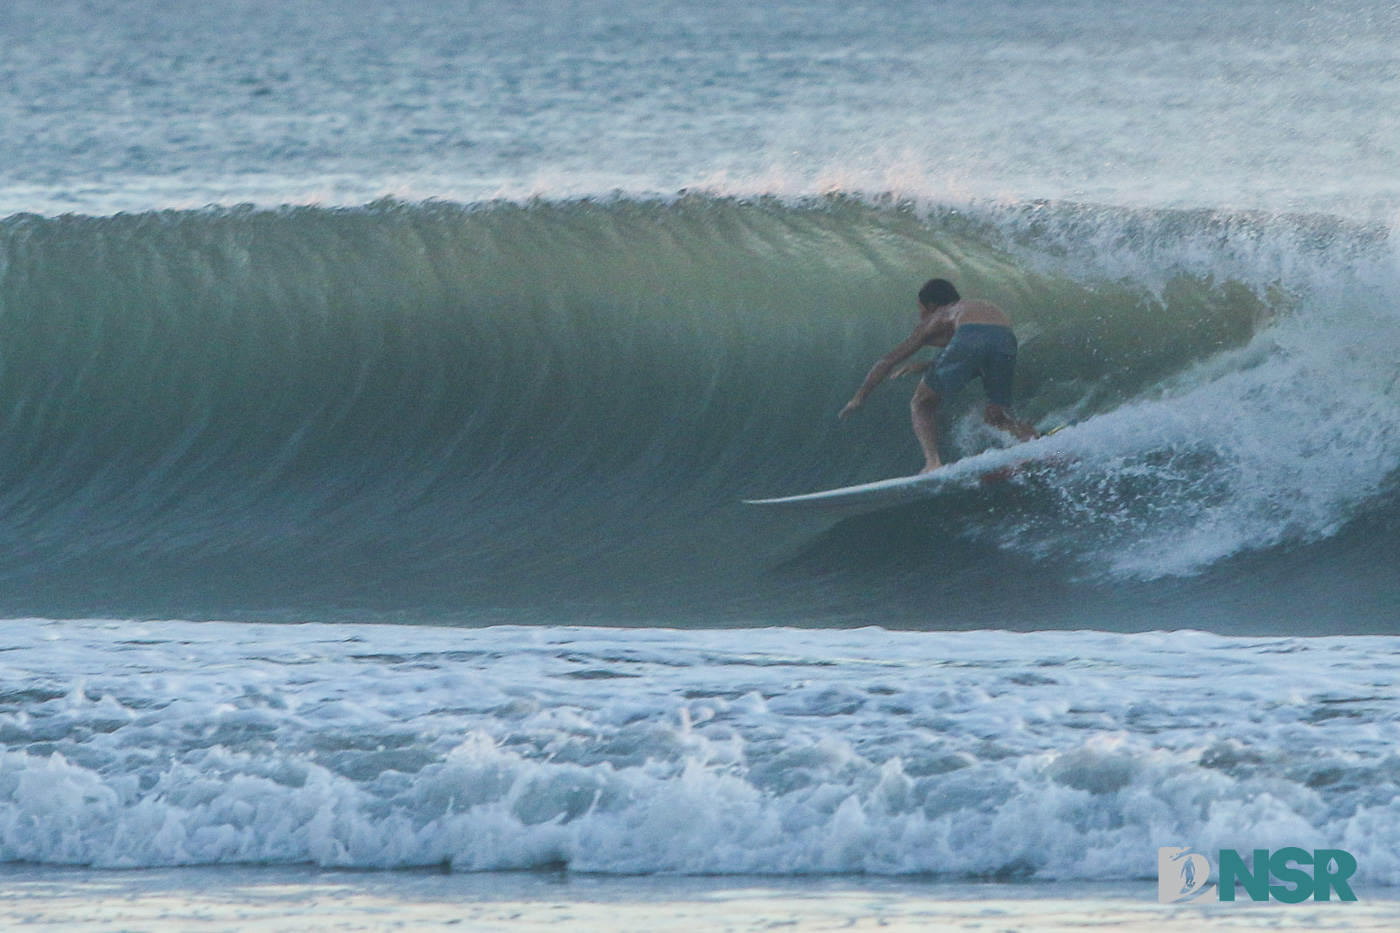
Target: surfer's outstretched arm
x: 926, y: 333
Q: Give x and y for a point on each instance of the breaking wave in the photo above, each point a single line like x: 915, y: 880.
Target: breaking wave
x: 553, y: 409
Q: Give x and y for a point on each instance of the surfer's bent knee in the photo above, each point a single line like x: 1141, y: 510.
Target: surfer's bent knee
x: 924, y: 398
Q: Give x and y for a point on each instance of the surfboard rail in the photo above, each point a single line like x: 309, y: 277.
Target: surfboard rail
x: 899, y: 486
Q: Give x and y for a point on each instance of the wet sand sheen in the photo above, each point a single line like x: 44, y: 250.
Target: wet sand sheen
x: 271, y: 900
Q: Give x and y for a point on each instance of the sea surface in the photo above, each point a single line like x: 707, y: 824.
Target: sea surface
x: 380, y: 384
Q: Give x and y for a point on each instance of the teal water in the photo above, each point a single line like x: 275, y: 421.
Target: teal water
x: 492, y: 313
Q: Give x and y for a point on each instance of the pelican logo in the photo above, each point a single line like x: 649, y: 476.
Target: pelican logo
x: 1182, y: 876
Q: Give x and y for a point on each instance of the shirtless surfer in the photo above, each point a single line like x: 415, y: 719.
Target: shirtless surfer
x: 978, y: 341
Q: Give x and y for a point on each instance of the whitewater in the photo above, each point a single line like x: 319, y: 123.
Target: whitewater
x: 380, y: 385
x: 1054, y: 755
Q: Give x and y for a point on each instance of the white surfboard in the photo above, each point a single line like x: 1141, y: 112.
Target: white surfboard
x: 866, y: 497
x: 881, y: 494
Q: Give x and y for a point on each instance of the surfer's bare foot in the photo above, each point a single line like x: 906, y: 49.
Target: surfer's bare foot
x: 929, y: 468
x: 999, y: 417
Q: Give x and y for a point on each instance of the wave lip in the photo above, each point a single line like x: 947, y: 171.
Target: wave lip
x: 1052, y: 755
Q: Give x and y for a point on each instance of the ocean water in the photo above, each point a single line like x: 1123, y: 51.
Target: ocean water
x: 380, y: 382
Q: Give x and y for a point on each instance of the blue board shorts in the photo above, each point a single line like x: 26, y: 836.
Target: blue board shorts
x: 986, y: 350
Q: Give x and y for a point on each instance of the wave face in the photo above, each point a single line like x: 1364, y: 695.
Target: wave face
x: 552, y: 410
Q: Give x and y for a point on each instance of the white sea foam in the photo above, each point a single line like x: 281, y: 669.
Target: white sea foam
x: 1066, y: 755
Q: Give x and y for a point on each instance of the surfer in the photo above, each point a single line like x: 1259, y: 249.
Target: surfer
x: 978, y: 342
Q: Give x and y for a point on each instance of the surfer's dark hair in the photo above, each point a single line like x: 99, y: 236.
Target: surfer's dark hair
x: 938, y: 292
